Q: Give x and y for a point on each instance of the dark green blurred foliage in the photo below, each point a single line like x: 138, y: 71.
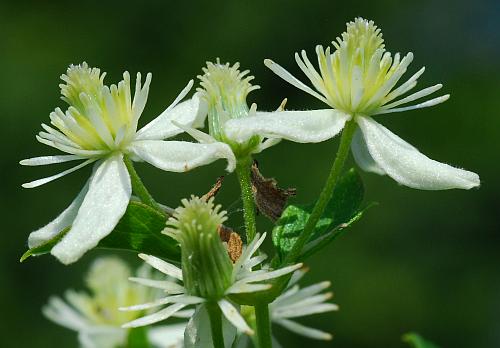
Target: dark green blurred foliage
x: 423, y: 261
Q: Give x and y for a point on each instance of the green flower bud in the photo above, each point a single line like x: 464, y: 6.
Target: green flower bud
x: 225, y: 89
x: 206, y: 266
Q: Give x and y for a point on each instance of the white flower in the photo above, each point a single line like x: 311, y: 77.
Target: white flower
x: 96, y: 317
x: 358, y: 80
x: 225, y: 88
x: 298, y: 302
x: 100, y: 126
x: 243, y: 280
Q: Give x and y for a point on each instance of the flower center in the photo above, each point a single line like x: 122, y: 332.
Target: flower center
x: 98, y: 117
x: 225, y: 89
x: 359, y: 74
x: 111, y: 289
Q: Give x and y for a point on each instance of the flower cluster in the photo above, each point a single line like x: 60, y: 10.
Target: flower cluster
x: 207, y: 274
x: 227, y: 291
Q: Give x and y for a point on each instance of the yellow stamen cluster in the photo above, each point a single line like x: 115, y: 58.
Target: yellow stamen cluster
x: 225, y: 88
x: 99, y: 118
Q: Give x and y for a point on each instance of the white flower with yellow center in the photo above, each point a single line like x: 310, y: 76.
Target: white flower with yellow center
x: 208, y: 275
x: 225, y: 88
x: 100, y: 126
x: 357, y: 81
x: 96, y: 317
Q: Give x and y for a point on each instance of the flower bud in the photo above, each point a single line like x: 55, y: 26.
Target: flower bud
x: 206, y: 266
x: 225, y: 89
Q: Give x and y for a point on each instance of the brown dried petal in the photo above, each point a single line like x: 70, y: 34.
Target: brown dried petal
x: 269, y: 198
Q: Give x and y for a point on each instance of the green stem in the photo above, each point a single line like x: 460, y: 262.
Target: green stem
x: 138, y: 187
x: 243, y: 166
x: 215, y: 315
x: 326, y: 194
x: 138, y: 338
x: 263, y: 324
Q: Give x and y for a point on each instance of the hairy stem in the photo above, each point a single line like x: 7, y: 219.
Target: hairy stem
x: 263, y: 324
x: 326, y: 194
x: 243, y: 166
x: 215, y: 315
x: 138, y: 187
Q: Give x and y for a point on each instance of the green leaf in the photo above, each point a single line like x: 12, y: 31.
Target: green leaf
x: 44, y: 248
x: 139, y: 230
x: 416, y: 341
x: 342, y: 211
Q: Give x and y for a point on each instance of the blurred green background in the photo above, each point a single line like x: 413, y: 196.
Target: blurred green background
x: 423, y: 261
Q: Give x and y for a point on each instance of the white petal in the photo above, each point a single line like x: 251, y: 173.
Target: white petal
x: 46, y: 180
x: 43, y: 160
x: 362, y: 156
x: 71, y: 149
x: 296, y: 276
x: 308, y: 301
x: 61, y: 313
x: 232, y: 314
x: 304, y: 330
x: 167, y: 335
x: 425, y: 104
x: 162, y: 266
x: 267, y: 144
x: 242, y: 287
x: 186, y: 313
x: 311, y: 126
x: 198, y: 135
x: 405, y: 164
x: 64, y: 220
x: 163, y: 314
x: 169, y: 287
x: 147, y: 305
x: 102, y: 337
x: 102, y: 208
x: 241, y: 265
x: 254, y: 261
x: 304, y: 293
x: 273, y: 274
x: 285, y: 75
x: 185, y: 299
x: 191, y: 113
x: 417, y: 95
x: 294, y: 312
x: 198, y: 333
x: 181, y: 156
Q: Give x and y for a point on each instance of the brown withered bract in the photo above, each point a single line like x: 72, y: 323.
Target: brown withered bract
x: 233, y: 242
x: 269, y: 198
x: 214, y: 190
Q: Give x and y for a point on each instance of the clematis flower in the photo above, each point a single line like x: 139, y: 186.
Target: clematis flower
x: 208, y: 275
x: 100, y: 126
x: 358, y: 82
x: 96, y: 317
x: 225, y: 88
x: 296, y: 302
